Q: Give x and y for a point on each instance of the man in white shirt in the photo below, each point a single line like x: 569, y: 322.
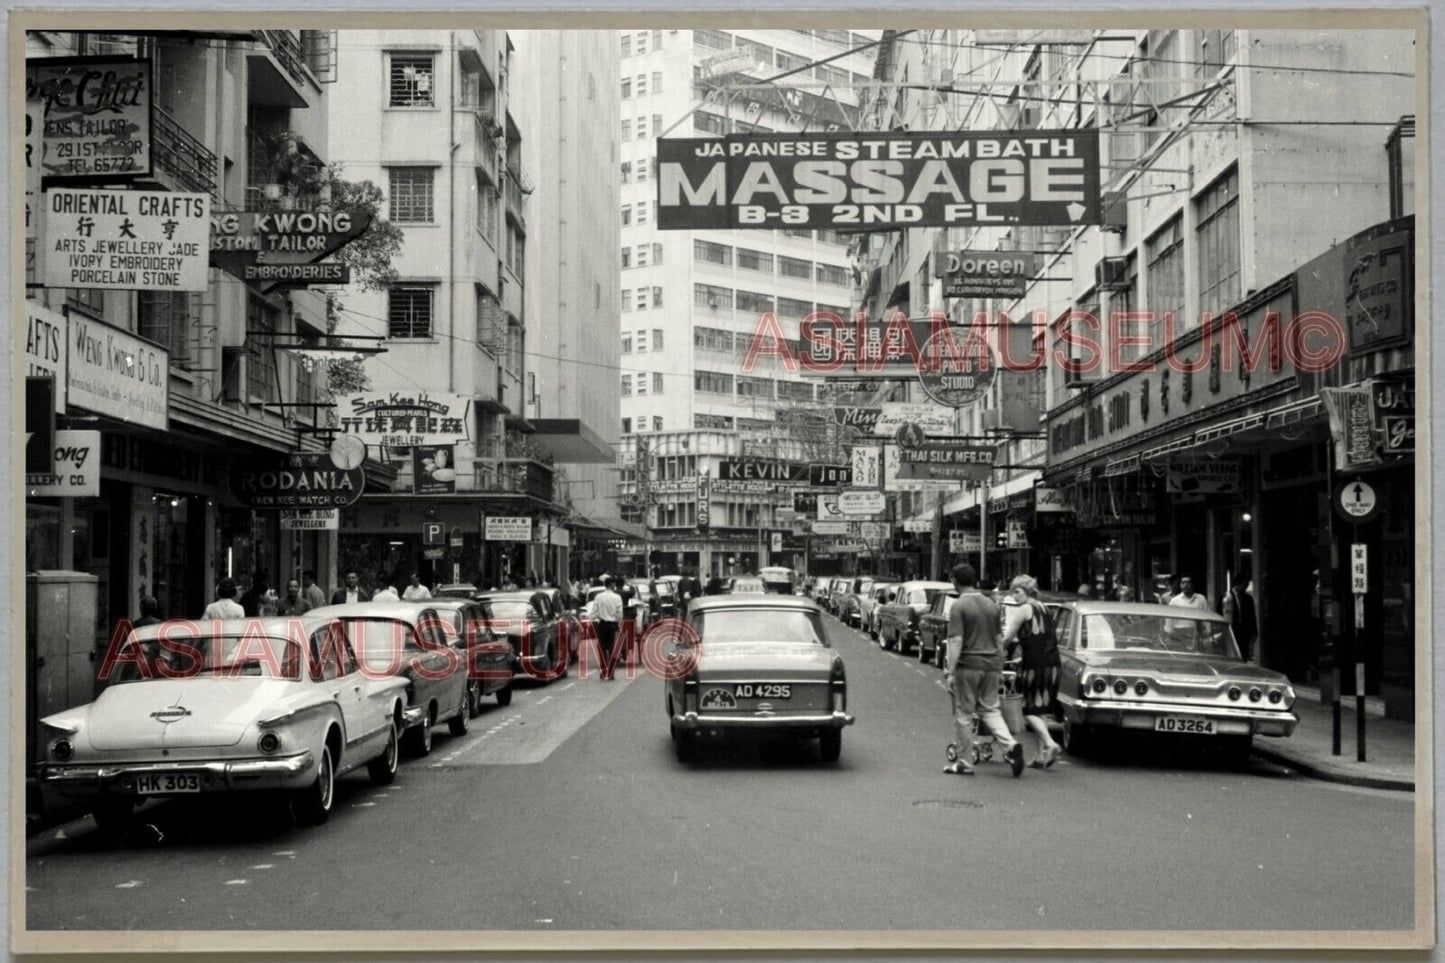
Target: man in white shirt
x: 416, y: 591
x: 607, y: 613
x: 1187, y: 599
x: 386, y: 593
x: 225, y: 606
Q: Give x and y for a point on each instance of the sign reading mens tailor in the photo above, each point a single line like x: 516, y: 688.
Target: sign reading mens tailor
x: 97, y: 115
x: 125, y: 240
x: 296, y: 480
x: 282, y: 248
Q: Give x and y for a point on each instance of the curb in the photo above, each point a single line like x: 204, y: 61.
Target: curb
x: 1330, y: 775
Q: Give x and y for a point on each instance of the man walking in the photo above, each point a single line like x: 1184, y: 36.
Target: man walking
x: 607, y: 613
x: 415, y: 591
x: 1187, y: 599
x: 975, y: 661
x: 351, y: 592
x: 315, y: 597
x: 1239, y: 609
x: 294, y: 603
x: 387, y: 592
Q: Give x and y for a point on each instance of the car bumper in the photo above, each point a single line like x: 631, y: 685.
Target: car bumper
x: 81, y: 780
x: 1132, y: 715
x: 761, y: 720
x: 413, y: 716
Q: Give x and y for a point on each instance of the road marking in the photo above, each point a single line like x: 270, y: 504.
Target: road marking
x: 131, y: 885
x: 363, y: 805
x: 237, y: 882
x: 264, y: 866
x: 532, y: 734
x: 288, y: 853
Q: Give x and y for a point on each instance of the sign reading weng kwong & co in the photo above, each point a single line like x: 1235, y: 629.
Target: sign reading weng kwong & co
x: 112, y: 372
x: 853, y: 181
x: 296, y: 480
x: 96, y: 115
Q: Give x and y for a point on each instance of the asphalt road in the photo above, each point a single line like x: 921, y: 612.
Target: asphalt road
x: 567, y: 810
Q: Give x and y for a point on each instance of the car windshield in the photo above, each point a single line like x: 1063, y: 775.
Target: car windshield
x: 230, y: 655
x: 666, y: 589
x: 923, y: 596
x: 1157, y: 633
x: 758, y: 625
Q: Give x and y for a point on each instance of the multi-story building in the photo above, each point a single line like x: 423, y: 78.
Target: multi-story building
x: 1220, y: 198
x: 690, y: 300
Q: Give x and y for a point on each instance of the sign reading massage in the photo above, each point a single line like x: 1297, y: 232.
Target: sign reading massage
x: 405, y: 419
x: 97, y: 115
x: 113, y: 373
x: 879, y: 181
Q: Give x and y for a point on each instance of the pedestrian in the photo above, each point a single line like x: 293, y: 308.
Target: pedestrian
x: 1239, y: 609
x: 351, y: 592
x: 295, y: 602
x: 315, y: 597
x: 150, y: 613
x: 1125, y: 592
x: 607, y: 613
x: 1086, y: 591
x: 225, y: 606
x: 415, y: 591
x: 1029, y: 626
x: 688, y: 589
x: 1163, y: 590
x: 387, y: 592
x: 1187, y: 598
x: 255, y: 596
x: 975, y: 662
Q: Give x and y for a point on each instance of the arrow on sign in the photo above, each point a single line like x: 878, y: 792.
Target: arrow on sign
x: 1359, y: 493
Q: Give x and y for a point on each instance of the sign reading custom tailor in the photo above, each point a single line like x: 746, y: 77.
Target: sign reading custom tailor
x: 957, y: 462
x: 97, y: 115
x: 275, y: 248
x: 296, y: 480
x: 125, y: 240
x: 879, y: 181
x: 747, y: 469
x: 310, y: 519
x: 987, y: 274
x: 405, y: 419
x: 113, y: 373
x: 45, y: 348
x: 75, y: 471
x: 507, y: 528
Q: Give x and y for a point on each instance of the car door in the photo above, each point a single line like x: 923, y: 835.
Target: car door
x: 360, y: 716
x: 544, y: 628
x: 1070, y: 666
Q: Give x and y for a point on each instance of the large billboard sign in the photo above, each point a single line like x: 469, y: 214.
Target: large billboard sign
x: 96, y: 116
x: 879, y: 180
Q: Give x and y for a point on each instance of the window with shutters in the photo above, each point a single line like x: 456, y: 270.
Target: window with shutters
x: 641, y: 85
x: 1165, y: 262
x: 656, y: 296
x: 833, y: 274
x: 755, y: 260
x: 641, y: 171
x: 791, y: 267
x: 411, y: 195
x: 642, y: 341
x: 642, y: 384
x: 642, y: 294
x: 627, y: 386
x: 1217, y: 243
x: 642, y: 128
x: 712, y: 253
x: 486, y: 207
x: 642, y: 43
x: 411, y: 80
x: 657, y: 385
x: 642, y: 212
x: 409, y: 311
x: 641, y: 255
x: 260, y: 350
x: 626, y: 45
x: 627, y: 130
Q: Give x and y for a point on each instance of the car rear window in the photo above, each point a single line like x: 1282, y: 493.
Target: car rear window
x: 758, y: 625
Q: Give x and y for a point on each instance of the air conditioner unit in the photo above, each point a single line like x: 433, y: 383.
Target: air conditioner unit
x: 1111, y: 274
x: 1116, y: 212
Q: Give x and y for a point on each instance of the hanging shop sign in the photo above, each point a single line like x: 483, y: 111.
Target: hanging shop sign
x: 900, y: 478
x: 275, y: 248
x: 1018, y: 533
x: 833, y: 527
x: 34, y: 145
x: 46, y: 347
x: 125, y: 240
x: 1392, y: 402
x: 1051, y: 500
x: 507, y: 528
x: 310, y: 519
x: 918, y: 526
x: 959, y: 371
x: 964, y: 543
x: 1380, y: 293
x: 434, y: 469
x: 112, y: 372
x: 296, y: 480
x: 861, y: 502
x: 867, y: 464
x: 75, y: 468
x: 830, y: 476
x: 97, y: 116
x: 883, y: 421
x: 987, y: 274
x: 1200, y: 476
x: 405, y: 419
x: 747, y: 469
x: 860, y: 347
x: 39, y: 425
x: 955, y: 462
x: 878, y: 180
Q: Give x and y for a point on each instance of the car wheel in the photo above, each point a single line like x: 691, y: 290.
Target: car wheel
x: 382, y: 769
x: 312, y: 805
x: 417, y: 741
x: 686, y: 747
x: 504, y: 695
x: 113, y: 814
x: 830, y: 745
x: 457, y: 724
x: 1078, y: 739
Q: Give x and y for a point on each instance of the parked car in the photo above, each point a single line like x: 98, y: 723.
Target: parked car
x: 837, y: 588
x: 820, y: 589
x: 898, y: 619
x: 251, y: 705
x: 409, y: 640
x: 849, y: 606
x: 644, y: 597
x: 489, y: 654
x: 544, y: 639
x: 746, y: 585
x: 778, y: 579
x: 1163, y: 669
x: 868, y: 606
x: 933, y: 628
x: 763, y: 666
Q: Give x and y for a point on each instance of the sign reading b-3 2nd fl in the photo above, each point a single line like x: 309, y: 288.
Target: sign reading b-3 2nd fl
x: 862, y: 181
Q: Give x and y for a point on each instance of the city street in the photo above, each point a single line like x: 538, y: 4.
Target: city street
x: 567, y: 810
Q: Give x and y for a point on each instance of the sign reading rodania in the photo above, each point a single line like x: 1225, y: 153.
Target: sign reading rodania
x: 852, y: 182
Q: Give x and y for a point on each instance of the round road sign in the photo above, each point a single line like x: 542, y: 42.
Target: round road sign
x: 1356, y: 501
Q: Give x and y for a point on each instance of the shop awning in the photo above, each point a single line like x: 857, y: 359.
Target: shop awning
x: 1122, y: 466
x: 572, y: 441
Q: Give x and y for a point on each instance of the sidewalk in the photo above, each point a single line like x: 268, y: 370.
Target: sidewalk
x: 1389, y: 745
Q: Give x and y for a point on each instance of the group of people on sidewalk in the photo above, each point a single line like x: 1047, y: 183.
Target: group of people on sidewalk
x: 302, y: 595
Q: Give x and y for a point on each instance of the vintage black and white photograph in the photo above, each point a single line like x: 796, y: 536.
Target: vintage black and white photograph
x: 679, y: 480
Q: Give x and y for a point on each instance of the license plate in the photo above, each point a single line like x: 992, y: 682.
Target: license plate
x: 167, y: 783
x: 1191, y: 724
x: 763, y: 690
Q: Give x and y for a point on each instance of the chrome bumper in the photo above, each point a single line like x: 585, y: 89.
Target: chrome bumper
x: 413, y: 716
x: 768, y: 720
x: 1135, y: 715
x: 216, y: 775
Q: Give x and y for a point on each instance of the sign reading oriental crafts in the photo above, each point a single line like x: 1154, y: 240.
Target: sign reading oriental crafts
x: 276, y: 248
x: 296, y: 480
x: 132, y: 240
x: 97, y: 115
x: 854, y: 181
x: 404, y: 419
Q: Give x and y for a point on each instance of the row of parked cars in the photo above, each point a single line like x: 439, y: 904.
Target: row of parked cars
x: 1123, y: 665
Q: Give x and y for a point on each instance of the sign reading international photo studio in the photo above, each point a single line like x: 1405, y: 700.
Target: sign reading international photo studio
x: 296, y: 480
x: 125, y: 240
x: 879, y: 181
x: 272, y: 249
x: 96, y: 115
x: 405, y: 419
x: 113, y: 373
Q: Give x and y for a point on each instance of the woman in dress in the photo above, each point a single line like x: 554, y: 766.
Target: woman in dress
x: 1027, y: 625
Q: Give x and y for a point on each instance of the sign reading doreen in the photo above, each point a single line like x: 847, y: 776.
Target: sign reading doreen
x: 852, y: 182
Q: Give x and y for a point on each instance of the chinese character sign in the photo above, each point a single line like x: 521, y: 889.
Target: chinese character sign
x: 128, y: 240
x: 405, y: 419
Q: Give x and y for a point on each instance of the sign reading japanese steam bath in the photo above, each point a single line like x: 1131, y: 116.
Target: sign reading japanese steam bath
x: 275, y: 248
x: 405, y: 419
x: 97, y: 115
x: 878, y: 181
x: 134, y: 240
x: 296, y: 480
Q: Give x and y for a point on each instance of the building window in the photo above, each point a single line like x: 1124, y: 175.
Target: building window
x: 712, y: 253
x: 261, y: 351
x: 712, y: 39
x: 168, y: 318
x: 712, y: 382
x: 627, y: 257
x: 755, y: 260
x: 761, y: 388
x: 641, y: 85
x: 486, y: 208
x: 626, y: 87
x: 642, y: 43
x: 657, y: 422
x: 657, y: 387
x: 795, y: 391
x: 1126, y: 301
x: 753, y: 302
x: 793, y: 308
x: 642, y: 212
x: 657, y: 81
x: 656, y: 125
x: 791, y: 267
x: 1165, y: 254
x: 642, y: 384
x: 708, y: 123
x: 411, y: 195
x: 642, y: 300
x: 711, y: 296
x: 656, y: 253
x: 642, y: 171
x: 838, y: 309
x: 626, y: 172
x: 627, y: 341
x: 798, y: 232
x: 1217, y: 216
x: 642, y: 128
x: 409, y: 311
x: 1213, y: 49
x: 626, y: 130
x: 627, y: 426
x: 833, y: 274
x: 626, y: 214
x: 411, y: 80
x: 626, y: 299
x: 712, y: 339
x: 656, y: 339
x: 642, y: 341
x: 626, y: 386
x: 641, y: 256
x: 627, y: 45
x: 657, y: 297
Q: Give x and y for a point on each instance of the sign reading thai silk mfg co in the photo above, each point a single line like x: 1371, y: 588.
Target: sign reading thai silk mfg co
x: 405, y: 419
x: 879, y: 181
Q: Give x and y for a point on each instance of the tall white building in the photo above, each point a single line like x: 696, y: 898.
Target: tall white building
x: 691, y: 299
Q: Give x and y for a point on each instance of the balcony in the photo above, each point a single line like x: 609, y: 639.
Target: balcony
x: 285, y: 46
x: 515, y: 476
x: 188, y: 162
x: 280, y: 79
x: 516, y: 188
x: 487, y: 134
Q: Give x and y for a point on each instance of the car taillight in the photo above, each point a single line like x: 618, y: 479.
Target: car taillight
x: 1120, y: 687
x: 838, y: 688
x: 1141, y: 688
x: 1275, y: 697
x: 62, y: 750
x: 689, y: 692
x: 1234, y: 693
x: 1099, y: 686
x: 269, y: 742
x: 1255, y: 695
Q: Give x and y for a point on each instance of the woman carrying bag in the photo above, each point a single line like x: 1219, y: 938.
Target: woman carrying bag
x: 1027, y: 624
